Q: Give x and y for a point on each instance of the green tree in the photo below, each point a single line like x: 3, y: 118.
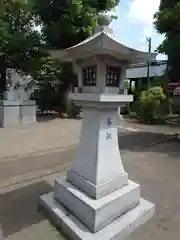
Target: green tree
x: 21, y: 43
x: 167, y: 22
x: 25, y: 51
x: 66, y: 23
x: 48, y: 81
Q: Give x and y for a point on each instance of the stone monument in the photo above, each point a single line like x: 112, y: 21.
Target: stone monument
x: 15, y: 107
x: 97, y: 200
x: 27, y: 106
x: 10, y: 105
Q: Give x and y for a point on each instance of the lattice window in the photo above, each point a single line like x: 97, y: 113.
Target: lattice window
x: 89, y: 76
x: 112, y: 76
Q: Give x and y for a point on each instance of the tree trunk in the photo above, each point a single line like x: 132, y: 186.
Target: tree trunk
x: 166, y: 91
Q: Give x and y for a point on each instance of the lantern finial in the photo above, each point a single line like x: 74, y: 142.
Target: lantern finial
x: 104, y: 19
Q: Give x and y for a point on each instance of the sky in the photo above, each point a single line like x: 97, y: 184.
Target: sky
x: 135, y: 23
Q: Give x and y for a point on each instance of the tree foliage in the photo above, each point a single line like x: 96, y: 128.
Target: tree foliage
x: 19, y: 40
x: 167, y: 22
x: 64, y: 23
x: 68, y: 22
x: 48, y: 82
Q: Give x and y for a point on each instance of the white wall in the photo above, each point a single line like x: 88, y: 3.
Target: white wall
x: 140, y: 72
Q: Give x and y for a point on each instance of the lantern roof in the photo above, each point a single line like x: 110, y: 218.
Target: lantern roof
x: 102, y: 42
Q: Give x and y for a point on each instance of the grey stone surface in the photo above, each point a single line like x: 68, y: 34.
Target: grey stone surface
x: 9, y: 113
x: 118, y: 229
x: 16, y: 112
x: 96, y: 213
x: 97, y: 191
x: 98, y: 159
x: 28, y: 112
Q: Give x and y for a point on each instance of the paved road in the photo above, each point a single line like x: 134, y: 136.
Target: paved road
x: 57, y: 133
x: 156, y: 168
x: 39, y: 164
x: 38, y: 137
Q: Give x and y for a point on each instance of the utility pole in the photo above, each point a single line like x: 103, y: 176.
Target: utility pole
x: 149, y: 41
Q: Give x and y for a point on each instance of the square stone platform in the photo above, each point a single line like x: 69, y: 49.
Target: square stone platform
x: 96, y: 213
x: 9, y: 113
x: 113, y: 216
x: 74, y: 229
x: 28, y: 111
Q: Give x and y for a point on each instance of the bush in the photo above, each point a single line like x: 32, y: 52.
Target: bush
x: 151, y: 102
x: 125, y: 110
x: 46, y: 98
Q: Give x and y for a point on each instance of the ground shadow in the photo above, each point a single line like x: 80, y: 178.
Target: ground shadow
x: 130, y: 140
x: 19, y: 208
x: 47, y: 117
x: 143, y: 141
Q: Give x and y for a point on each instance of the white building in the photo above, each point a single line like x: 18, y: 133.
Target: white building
x: 140, y: 70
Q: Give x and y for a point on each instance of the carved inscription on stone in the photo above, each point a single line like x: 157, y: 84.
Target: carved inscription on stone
x: 109, y: 123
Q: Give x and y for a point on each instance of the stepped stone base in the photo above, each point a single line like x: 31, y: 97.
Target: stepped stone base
x: 113, y: 216
x: 96, y: 213
x: 72, y: 228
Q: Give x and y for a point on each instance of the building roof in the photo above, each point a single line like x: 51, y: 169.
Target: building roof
x: 157, y: 68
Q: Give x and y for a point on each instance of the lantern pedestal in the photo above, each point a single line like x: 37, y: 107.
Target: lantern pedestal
x: 99, y: 200
x: 74, y: 229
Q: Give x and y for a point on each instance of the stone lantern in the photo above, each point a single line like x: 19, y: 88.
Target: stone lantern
x: 97, y: 200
